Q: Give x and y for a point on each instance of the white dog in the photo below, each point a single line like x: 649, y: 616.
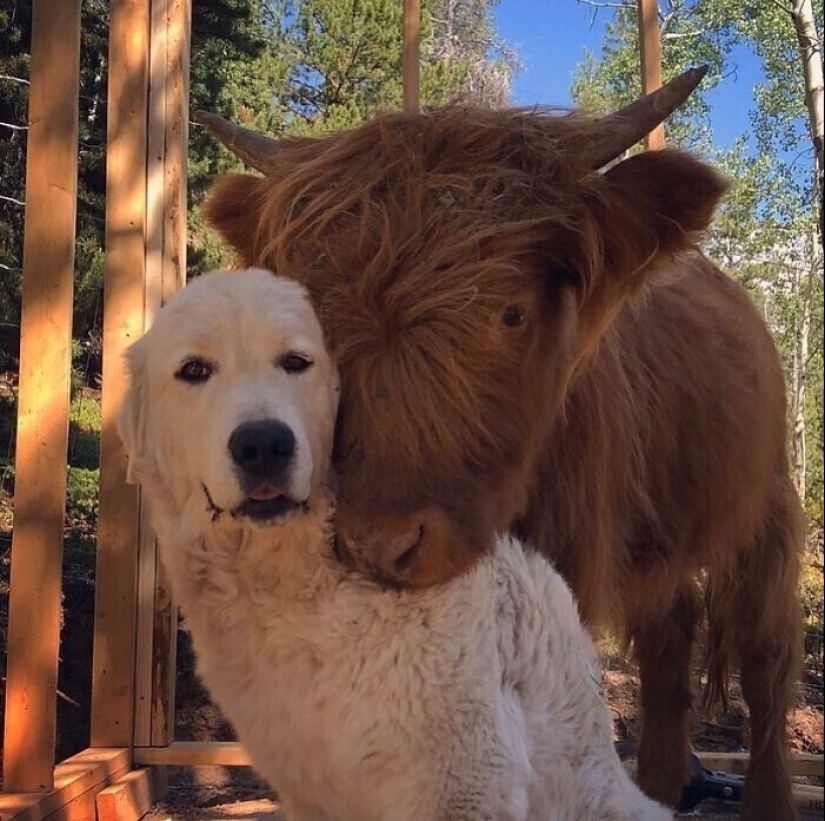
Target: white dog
x: 475, y: 700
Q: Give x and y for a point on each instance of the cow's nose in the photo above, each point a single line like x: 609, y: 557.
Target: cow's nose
x: 417, y: 548
x: 262, y: 448
x: 388, y: 557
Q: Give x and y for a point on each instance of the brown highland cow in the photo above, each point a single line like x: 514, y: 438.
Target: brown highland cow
x: 529, y: 342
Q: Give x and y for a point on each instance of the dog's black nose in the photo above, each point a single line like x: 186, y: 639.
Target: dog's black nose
x: 262, y: 448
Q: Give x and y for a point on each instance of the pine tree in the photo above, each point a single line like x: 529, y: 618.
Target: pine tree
x: 345, y: 60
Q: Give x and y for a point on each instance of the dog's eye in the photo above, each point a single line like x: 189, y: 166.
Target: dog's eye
x: 295, y: 362
x: 195, y: 371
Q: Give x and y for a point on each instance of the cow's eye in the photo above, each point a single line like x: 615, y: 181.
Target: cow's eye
x: 295, y: 362
x: 513, y: 316
x: 195, y: 370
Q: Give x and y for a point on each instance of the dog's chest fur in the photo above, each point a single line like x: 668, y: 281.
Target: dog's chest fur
x: 474, y: 700
x: 337, y: 687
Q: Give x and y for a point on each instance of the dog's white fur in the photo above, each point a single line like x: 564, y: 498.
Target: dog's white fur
x: 474, y: 700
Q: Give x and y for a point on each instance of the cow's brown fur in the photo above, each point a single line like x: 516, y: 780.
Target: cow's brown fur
x: 527, y: 343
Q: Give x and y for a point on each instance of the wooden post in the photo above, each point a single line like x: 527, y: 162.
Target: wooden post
x: 651, y: 61
x: 43, y: 415
x: 412, y: 49
x: 155, y: 197
x: 173, y: 278
x: 113, y: 670
x: 165, y: 274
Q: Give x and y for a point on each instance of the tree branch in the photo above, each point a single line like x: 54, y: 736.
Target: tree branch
x: 601, y: 5
x: 782, y: 7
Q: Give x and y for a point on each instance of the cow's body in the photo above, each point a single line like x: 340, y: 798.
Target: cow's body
x: 674, y: 440
x: 526, y: 342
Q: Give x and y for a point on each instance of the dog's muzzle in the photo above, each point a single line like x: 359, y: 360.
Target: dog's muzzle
x: 263, y: 453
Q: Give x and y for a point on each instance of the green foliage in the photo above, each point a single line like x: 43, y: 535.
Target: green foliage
x: 780, y: 116
x: 235, y: 71
x: 345, y: 62
x: 82, y: 495
x: 83, y: 479
x: 346, y: 59
x: 84, y: 433
x: 85, y: 414
x: 15, y: 22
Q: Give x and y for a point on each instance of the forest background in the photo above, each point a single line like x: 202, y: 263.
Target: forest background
x: 311, y: 66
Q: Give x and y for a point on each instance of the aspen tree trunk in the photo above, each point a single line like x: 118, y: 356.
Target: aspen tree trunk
x: 809, y: 48
x: 799, y: 385
x: 805, y: 288
x: 811, y: 54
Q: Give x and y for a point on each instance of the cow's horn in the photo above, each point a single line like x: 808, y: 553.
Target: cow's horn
x: 626, y: 127
x: 255, y: 149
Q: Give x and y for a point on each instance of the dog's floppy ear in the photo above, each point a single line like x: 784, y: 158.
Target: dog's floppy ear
x: 131, y: 422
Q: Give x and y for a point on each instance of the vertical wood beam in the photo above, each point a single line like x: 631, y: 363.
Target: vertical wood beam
x: 43, y: 414
x: 113, y: 669
x: 651, y: 62
x: 167, y: 147
x: 411, y: 57
x: 173, y: 278
x: 147, y: 560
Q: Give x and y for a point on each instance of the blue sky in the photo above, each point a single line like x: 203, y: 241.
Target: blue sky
x: 552, y: 36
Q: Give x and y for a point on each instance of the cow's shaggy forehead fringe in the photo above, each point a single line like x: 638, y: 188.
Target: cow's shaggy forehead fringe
x: 396, y: 183
x: 463, y: 202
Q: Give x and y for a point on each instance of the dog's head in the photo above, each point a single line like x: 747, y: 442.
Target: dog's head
x: 230, y: 410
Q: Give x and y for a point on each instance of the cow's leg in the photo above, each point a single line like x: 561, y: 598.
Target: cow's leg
x: 663, y: 642
x: 756, y: 611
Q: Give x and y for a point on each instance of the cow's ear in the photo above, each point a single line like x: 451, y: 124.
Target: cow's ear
x: 657, y: 205
x: 650, y: 208
x: 234, y: 209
